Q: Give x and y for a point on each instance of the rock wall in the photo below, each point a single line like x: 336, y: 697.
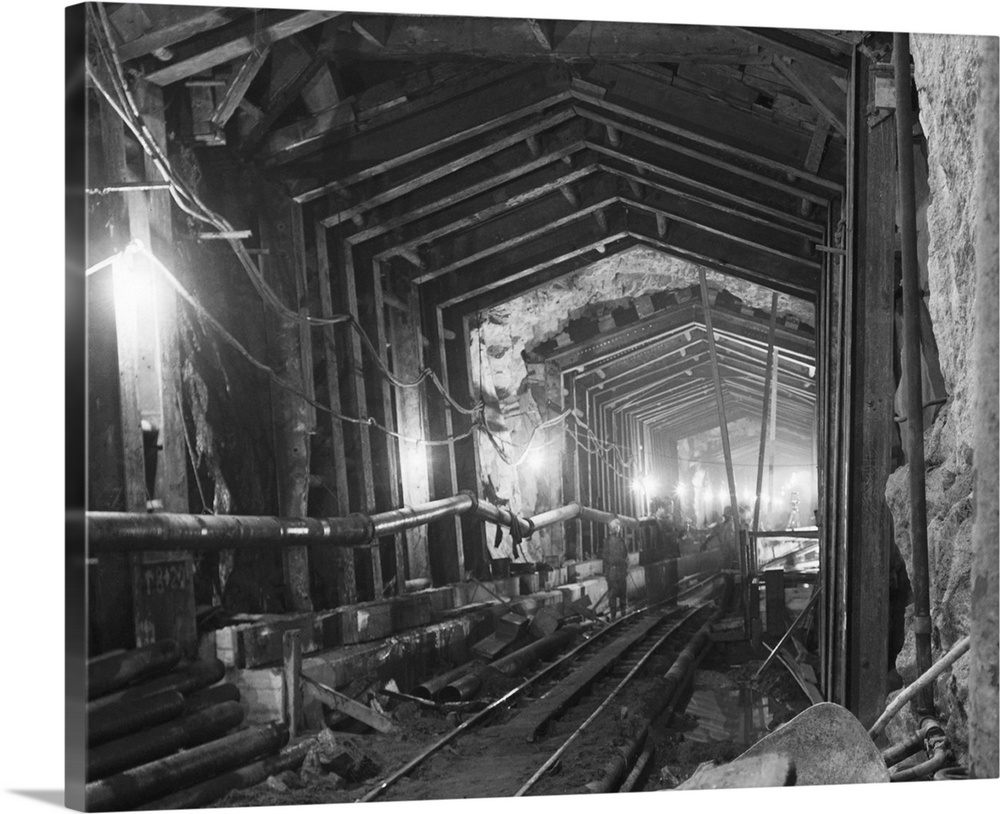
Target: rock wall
x: 947, y: 75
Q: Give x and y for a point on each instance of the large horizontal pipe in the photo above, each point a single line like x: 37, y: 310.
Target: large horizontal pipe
x: 522, y: 659
x: 107, y: 674
x: 184, y: 680
x: 461, y: 689
x: 151, y: 780
x: 127, y: 531
x: 410, y: 517
x: 430, y: 688
x: 118, y: 720
x: 165, y: 739
x: 289, y: 758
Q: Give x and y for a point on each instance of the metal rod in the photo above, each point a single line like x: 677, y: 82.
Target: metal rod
x: 912, y: 365
x: 791, y: 627
x: 771, y: 364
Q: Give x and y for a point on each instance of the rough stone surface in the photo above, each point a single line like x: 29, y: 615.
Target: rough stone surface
x: 984, y: 661
x: 947, y: 75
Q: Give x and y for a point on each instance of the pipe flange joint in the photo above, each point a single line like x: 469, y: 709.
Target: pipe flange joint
x: 369, y: 526
x: 472, y: 496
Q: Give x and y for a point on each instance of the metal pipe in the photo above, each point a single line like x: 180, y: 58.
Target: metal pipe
x: 912, y: 365
x: 956, y: 652
x: 460, y: 689
x: 430, y: 688
x: 522, y: 659
x: 203, y: 699
x: 129, y: 531
x: 937, y: 747
x: 151, y: 780
x: 397, y: 520
x: 195, y: 676
x: 901, y: 751
x: 165, y: 739
x: 209, y: 791
x: 118, y: 720
x: 105, y: 675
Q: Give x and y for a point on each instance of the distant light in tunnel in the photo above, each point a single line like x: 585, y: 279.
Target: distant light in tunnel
x: 680, y: 490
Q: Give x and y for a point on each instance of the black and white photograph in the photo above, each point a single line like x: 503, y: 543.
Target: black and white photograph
x: 471, y: 404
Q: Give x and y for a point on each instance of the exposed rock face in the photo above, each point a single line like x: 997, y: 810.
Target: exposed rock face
x: 947, y: 71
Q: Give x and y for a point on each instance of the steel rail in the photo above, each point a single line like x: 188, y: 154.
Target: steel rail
x: 604, y: 704
x: 512, y: 695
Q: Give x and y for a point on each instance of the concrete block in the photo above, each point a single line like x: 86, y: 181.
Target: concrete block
x: 763, y: 771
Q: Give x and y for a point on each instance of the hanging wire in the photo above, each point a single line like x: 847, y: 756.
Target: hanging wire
x: 190, y: 203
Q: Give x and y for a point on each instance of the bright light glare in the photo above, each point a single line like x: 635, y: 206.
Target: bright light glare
x: 680, y: 490
x: 709, y: 496
x: 649, y: 483
x: 637, y: 485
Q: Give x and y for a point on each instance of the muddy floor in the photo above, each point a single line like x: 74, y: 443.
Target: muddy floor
x: 725, y: 710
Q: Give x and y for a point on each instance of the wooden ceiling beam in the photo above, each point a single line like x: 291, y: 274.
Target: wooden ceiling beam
x: 479, y: 185
x: 294, y: 66
x: 519, y: 191
x: 572, y: 41
x: 431, y: 131
x: 708, y: 186
x: 145, y: 28
x: 821, y: 91
x: 817, y: 189
x: 486, y: 294
x: 225, y: 44
x: 717, y: 251
x: 734, y: 227
x: 523, y: 225
x: 549, y: 256
x: 700, y: 120
x: 461, y: 171
x: 238, y: 85
x: 833, y: 57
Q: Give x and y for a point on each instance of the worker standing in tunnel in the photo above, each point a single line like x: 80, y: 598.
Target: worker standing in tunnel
x: 669, y: 534
x: 615, y: 557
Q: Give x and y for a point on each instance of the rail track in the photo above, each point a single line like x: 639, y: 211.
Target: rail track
x: 555, y: 731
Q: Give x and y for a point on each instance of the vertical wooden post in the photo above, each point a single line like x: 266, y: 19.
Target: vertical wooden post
x: 150, y: 385
x: 411, y: 419
x: 389, y: 416
x: 291, y: 685
x: 872, y: 393
x: 347, y: 592
x: 373, y: 589
x: 571, y: 466
x: 291, y: 413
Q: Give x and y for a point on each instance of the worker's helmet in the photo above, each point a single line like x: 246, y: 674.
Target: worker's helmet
x: 615, y: 526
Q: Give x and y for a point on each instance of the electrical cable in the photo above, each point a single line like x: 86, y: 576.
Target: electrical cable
x: 128, y: 112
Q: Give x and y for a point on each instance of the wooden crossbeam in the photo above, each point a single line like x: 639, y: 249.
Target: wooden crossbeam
x: 347, y: 705
x: 147, y: 28
x: 237, y: 87
x: 295, y: 64
x: 374, y: 29
x: 543, y: 31
x: 819, y: 88
x: 206, y: 52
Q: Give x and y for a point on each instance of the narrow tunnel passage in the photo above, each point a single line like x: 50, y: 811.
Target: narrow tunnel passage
x: 446, y: 350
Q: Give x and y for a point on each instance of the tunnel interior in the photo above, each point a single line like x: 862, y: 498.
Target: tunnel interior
x: 385, y: 260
